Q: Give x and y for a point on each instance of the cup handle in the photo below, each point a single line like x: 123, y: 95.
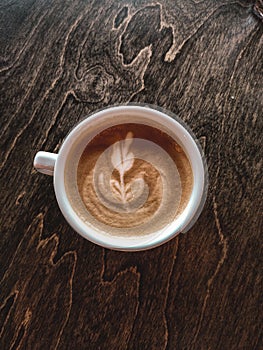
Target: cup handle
x: 44, y: 162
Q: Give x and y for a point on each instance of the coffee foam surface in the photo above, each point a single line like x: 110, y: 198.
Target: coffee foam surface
x: 131, y: 179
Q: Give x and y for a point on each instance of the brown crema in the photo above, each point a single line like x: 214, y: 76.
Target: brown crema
x: 130, y: 188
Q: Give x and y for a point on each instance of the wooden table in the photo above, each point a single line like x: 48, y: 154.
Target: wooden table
x: 61, y: 60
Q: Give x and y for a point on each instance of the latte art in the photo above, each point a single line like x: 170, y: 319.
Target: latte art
x: 132, y: 179
x: 114, y: 191
x: 121, y: 183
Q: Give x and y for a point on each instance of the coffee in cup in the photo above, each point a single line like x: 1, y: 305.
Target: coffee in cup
x: 130, y: 177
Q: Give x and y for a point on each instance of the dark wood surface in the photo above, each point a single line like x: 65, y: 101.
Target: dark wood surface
x: 61, y: 60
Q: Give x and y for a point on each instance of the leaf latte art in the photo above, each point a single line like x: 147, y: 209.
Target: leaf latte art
x: 122, y: 160
x: 125, y: 176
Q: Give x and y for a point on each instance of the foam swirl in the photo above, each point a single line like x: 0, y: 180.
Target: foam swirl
x: 131, y: 184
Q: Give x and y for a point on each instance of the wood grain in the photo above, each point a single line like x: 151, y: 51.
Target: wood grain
x: 62, y: 60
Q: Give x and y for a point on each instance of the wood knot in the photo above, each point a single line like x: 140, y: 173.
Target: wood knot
x: 94, y: 86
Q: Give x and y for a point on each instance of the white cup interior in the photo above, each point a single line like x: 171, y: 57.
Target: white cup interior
x: 75, y: 142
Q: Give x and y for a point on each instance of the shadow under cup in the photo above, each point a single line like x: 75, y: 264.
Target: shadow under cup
x: 130, y: 178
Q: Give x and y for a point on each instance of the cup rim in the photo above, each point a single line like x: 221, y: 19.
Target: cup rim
x: 180, y: 224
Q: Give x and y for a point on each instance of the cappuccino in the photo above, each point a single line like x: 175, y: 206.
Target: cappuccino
x: 130, y: 179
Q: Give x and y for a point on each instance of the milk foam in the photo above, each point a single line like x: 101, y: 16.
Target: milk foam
x: 132, y: 179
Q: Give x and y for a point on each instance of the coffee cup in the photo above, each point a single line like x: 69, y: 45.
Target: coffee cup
x: 128, y: 177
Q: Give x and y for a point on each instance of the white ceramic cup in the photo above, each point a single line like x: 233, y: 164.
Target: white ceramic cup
x: 54, y: 164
